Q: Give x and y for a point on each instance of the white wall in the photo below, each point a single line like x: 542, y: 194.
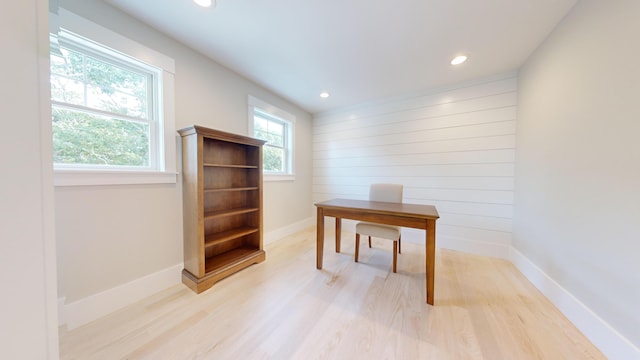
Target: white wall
x: 28, y: 325
x: 578, y: 162
x: 451, y: 148
x: 111, y: 235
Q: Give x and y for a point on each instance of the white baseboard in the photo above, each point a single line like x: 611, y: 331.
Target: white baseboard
x: 98, y: 305
x: 288, y: 230
x: 612, y: 344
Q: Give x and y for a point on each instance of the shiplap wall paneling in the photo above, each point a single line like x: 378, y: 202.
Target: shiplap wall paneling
x: 454, y: 149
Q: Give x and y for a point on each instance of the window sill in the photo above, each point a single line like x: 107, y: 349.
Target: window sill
x: 278, y: 177
x: 95, y: 177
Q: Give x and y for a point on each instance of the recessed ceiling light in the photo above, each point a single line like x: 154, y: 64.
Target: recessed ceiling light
x: 203, y: 3
x: 458, y: 60
x: 324, y: 94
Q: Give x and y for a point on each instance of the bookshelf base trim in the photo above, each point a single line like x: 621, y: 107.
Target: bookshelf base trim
x: 205, y: 282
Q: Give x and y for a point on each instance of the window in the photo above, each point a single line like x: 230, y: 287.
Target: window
x: 104, y: 107
x: 112, y: 117
x: 276, y: 127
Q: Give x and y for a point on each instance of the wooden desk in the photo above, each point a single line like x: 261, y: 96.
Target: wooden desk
x: 398, y: 214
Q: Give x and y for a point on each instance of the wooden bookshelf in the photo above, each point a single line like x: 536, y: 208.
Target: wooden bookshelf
x: 222, y: 205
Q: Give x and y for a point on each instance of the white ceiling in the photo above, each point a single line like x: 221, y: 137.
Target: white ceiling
x: 357, y: 50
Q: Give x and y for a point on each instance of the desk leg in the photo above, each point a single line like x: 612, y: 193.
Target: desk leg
x: 319, y: 238
x: 338, y: 233
x: 430, y: 258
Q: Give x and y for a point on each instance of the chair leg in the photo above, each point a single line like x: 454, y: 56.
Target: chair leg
x: 369, y: 242
x: 400, y: 244
x: 357, y: 246
x: 395, y: 255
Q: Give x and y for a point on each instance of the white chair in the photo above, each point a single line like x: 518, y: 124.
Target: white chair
x: 384, y: 193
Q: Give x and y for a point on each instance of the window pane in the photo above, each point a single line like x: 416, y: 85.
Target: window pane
x: 116, y: 102
x: 275, y: 136
x: 81, y: 138
x: 115, y: 89
x: 261, y: 134
x: 260, y: 124
x: 273, y: 159
x: 275, y: 128
x: 275, y: 139
x: 270, y: 131
x: 67, y: 90
x: 68, y: 63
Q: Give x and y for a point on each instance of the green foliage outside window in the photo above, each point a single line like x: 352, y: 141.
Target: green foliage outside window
x: 80, y: 138
x: 272, y: 159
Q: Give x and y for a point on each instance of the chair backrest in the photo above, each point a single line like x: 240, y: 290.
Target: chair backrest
x: 386, y: 192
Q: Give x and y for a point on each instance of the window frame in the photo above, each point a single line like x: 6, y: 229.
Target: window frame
x: 73, y: 28
x: 272, y: 113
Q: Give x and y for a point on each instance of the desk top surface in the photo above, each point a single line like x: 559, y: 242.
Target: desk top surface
x: 390, y: 208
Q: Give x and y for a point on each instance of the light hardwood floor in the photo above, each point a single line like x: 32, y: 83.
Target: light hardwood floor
x: 286, y: 309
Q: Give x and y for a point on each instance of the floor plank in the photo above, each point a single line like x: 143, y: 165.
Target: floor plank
x: 286, y: 309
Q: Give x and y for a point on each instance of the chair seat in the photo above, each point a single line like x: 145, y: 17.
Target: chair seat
x: 391, y: 193
x: 378, y: 230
